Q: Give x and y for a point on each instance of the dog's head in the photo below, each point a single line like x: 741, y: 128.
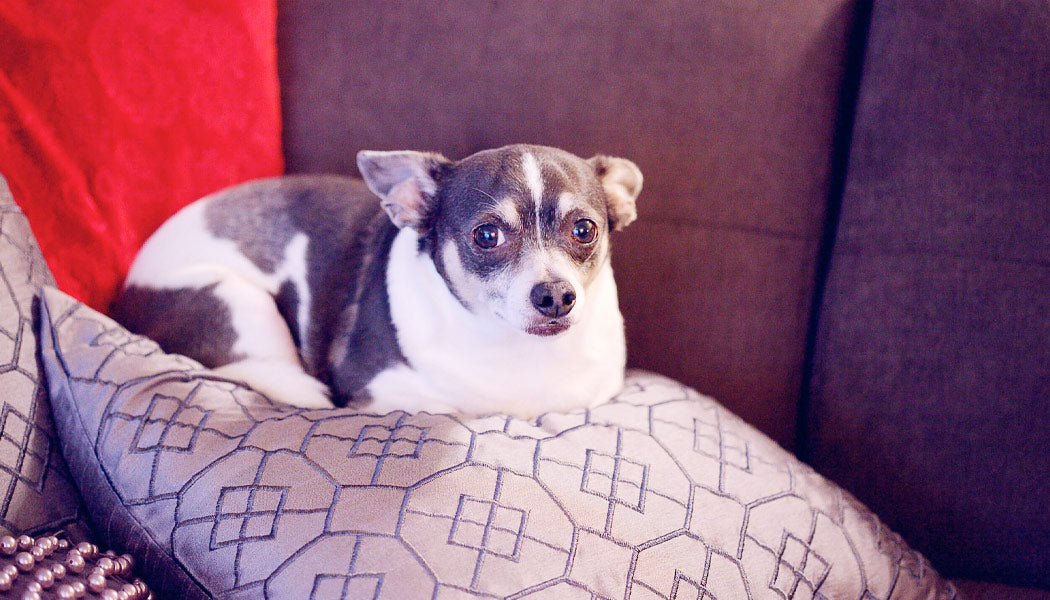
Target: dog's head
x: 518, y: 233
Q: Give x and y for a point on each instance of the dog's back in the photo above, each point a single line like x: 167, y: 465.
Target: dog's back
x: 266, y: 270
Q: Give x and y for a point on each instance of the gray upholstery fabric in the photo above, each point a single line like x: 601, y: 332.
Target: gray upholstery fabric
x: 35, y: 492
x: 931, y: 390
x: 983, y: 590
x: 661, y: 493
x: 728, y: 108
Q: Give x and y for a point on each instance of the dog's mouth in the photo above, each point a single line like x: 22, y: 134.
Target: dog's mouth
x: 549, y: 328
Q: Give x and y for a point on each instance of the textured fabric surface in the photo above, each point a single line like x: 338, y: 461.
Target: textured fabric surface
x: 982, y: 590
x: 35, y: 491
x: 661, y: 493
x: 116, y: 113
x: 931, y: 390
x: 727, y: 107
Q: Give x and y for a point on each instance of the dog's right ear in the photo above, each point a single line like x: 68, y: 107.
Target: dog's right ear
x: 405, y: 181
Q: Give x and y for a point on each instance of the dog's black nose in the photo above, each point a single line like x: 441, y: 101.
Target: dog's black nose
x: 553, y: 298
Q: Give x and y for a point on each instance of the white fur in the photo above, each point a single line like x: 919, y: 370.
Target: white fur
x: 184, y: 241
x: 534, y: 181
x: 183, y: 253
x: 294, y: 268
x: 278, y: 380
x: 509, y: 213
x: 566, y: 201
x: 478, y: 364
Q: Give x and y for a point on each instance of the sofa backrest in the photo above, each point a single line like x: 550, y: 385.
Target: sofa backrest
x: 728, y: 108
x: 930, y: 396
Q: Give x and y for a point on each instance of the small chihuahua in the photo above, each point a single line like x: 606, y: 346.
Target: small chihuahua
x: 478, y: 286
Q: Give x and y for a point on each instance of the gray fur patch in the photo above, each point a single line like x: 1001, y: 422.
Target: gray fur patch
x: 366, y: 342
x: 287, y: 300
x: 256, y: 218
x: 193, y: 322
x: 346, y: 265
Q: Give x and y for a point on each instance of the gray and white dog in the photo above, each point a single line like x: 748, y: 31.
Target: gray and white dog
x: 477, y: 286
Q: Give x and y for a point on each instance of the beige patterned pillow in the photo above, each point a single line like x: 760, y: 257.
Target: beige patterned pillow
x: 660, y: 493
x: 35, y: 492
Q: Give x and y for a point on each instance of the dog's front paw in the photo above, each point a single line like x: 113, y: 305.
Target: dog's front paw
x: 279, y: 381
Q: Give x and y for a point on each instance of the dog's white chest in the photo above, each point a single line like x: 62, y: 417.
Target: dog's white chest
x: 459, y: 362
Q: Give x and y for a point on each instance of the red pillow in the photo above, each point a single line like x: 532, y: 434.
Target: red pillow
x: 115, y: 114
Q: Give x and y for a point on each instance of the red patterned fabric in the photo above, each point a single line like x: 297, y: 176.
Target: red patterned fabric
x: 116, y: 113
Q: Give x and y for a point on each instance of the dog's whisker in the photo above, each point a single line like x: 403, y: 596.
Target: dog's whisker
x: 486, y: 194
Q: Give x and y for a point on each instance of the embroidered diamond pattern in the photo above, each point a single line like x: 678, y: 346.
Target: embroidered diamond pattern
x: 31, y: 449
x: 247, y: 513
x: 380, y: 441
x: 712, y: 440
x: 617, y: 479
x: 685, y: 588
x: 168, y: 425
x: 488, y: 526
x: 347, y: 587
x: 800, y: 570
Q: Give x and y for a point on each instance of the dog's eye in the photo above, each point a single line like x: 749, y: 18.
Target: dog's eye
x: 584, y: 231
x: 488, y: 236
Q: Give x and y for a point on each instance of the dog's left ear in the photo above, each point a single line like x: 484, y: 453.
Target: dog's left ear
x: 622, y: 181
x: 405, y: 181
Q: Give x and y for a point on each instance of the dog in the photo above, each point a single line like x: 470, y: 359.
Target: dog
x: 478, y: 286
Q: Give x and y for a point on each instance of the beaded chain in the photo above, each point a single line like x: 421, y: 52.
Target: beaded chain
x: 49, y: 567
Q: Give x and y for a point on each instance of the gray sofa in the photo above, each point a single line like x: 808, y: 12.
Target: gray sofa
x: 845, y: 230
x: 844, y: 238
